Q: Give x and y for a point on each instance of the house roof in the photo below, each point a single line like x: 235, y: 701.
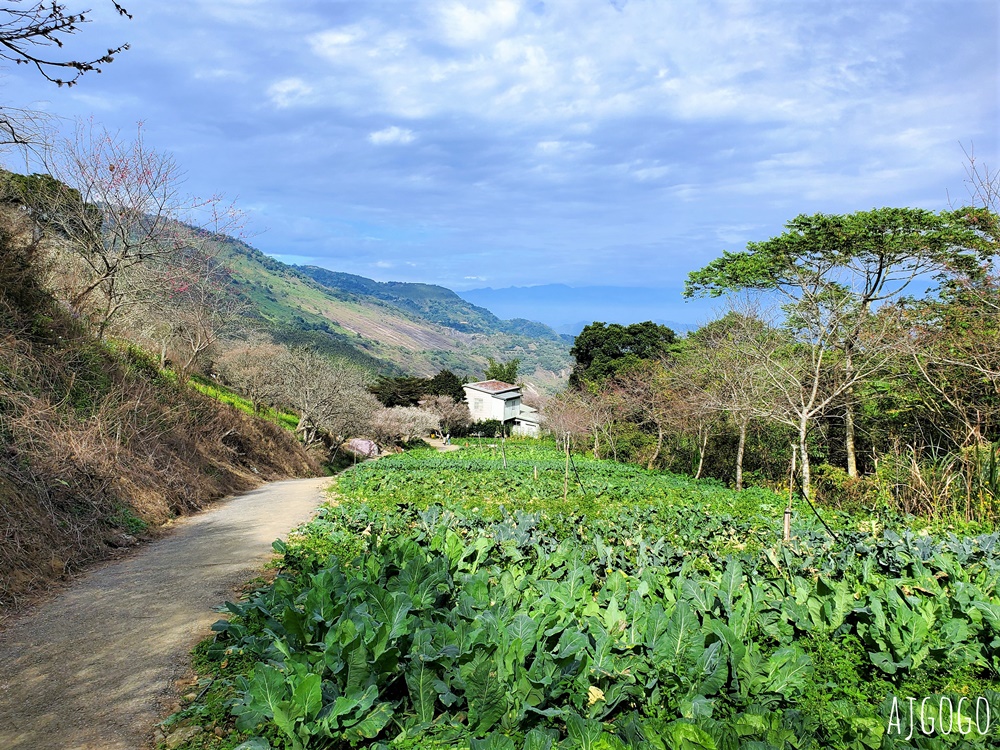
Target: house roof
x: 492, y: 386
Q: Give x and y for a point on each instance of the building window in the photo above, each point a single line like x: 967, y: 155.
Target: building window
x: 477, y: 404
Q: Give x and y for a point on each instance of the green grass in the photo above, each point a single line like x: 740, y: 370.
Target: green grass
x: 221, y: 393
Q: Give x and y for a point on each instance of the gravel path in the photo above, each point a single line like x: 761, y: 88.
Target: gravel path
x: 94, y: 668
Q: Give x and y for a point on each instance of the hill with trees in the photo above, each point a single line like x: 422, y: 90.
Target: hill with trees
x: 99, y: 446
x: 392, y: 328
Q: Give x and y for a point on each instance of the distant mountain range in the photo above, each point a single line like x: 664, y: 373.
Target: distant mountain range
x: 391, y: 327
x: 568, y: 309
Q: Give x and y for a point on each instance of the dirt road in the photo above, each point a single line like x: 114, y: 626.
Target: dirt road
x: 93, y: 668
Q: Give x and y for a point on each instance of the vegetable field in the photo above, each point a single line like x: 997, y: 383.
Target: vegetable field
x: 444, y: 600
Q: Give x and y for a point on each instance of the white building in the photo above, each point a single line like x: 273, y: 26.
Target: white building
x: 494, y: 399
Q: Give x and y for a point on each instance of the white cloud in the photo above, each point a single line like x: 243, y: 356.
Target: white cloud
x: 391, y: 136
x: 463, y: 25
x: 289, y: 92
x: 539, y: 131
x: 339, y: 41
x: 563, y: 148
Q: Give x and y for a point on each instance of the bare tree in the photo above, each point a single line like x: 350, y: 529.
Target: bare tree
x: 736, y: 384
x: 955, y: 341
x: 981, y: 182
x: 452, y: 415
x: 798, y: 360
x: 331, y: 396
x: 692, y: 413
x: 402, y: 423
x: 201, y: 304
x: 585, y: 414
x: 252, y: 369
x: 116, y: 205
x: 566, y: 413
x: 645, y: 393
x: 955, y: 346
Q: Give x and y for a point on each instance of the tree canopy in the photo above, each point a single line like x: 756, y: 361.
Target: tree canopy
x: 602, y: 350
x: 503, y: 371
x: 871, y: 255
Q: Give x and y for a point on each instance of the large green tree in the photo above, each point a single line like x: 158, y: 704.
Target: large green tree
x: 602, y: 350
x: 446, y: 383
x: 832, y: 272
x: 505, y: 372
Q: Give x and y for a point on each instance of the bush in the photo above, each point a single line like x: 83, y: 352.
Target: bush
x: 488, y: 427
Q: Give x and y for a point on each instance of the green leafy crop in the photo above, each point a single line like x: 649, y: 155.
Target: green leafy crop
x: 444, y: 601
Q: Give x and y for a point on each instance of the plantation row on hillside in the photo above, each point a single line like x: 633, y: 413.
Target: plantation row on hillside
x: 448, y: 600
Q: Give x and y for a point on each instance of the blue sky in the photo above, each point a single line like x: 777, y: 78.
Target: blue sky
x: 584, y: 142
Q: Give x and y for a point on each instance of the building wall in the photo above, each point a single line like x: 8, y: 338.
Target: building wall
x: 483, y: 406
x: 511, y: 407
x: 526, y: 429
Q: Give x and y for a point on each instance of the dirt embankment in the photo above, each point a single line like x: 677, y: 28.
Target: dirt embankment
x: 98, y: 447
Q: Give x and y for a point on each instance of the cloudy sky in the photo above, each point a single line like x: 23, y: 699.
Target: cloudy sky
x: 522, y: 142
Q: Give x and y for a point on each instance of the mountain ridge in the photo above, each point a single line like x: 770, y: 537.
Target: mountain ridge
x: 390, y: 327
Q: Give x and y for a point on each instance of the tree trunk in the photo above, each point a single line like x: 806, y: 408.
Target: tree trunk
x: 852, y: 458
x: 701, y: 455
x: 803, y: 449
x: 659, y: 446
x: 739, y: 453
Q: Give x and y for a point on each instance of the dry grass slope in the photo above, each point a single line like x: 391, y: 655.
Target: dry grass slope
x: 97, y: 447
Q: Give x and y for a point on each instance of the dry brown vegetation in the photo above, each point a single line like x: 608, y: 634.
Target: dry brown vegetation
x: 97, y: 445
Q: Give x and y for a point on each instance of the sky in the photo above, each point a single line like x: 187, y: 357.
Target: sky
x: 516, y: 143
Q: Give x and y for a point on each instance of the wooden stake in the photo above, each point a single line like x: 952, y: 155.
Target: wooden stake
x: 791, y: 484
x: 566, y: 478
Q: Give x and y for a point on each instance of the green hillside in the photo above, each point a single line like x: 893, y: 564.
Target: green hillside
x: 392, y: 327
x: 434, y: 303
